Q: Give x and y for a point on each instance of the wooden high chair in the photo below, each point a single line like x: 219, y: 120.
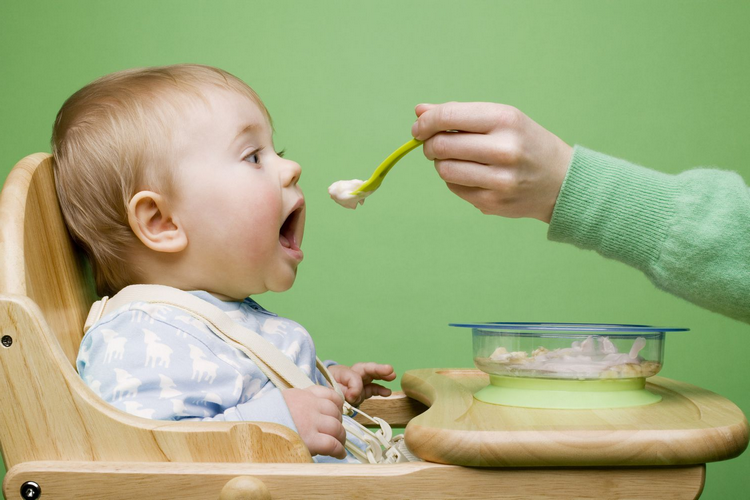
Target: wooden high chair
x: 61, y: 441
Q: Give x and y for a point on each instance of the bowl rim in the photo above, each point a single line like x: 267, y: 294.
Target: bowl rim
x: 529, y: 327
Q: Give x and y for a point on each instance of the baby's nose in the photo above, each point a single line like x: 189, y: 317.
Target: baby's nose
x: 292, y: 173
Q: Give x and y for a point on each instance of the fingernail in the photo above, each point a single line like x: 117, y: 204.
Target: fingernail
x: 415, y: 129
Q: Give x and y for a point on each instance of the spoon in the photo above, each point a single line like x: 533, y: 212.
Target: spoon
x: 377, y: 177
x: 350, y: 193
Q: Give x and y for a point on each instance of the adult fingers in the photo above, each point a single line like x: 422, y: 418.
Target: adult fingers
x: 495, y: 149
x: 479, y: 117
x: 472, y: 174
x: 421, y: 108
x: 488, y: 201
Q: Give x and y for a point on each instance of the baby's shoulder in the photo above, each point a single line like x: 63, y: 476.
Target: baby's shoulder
x: 139, y: 330
x: 145, y: 318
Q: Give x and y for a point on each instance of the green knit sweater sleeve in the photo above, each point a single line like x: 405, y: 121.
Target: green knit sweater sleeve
x: 689, y: 233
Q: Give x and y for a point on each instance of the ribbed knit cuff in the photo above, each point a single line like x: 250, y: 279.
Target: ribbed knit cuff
x: 619, y: 209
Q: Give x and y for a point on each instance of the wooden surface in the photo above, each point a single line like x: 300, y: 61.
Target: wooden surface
x: 38, y: 258
x: 396, y: 409
x: 113, y: 481
x: 689, y: 426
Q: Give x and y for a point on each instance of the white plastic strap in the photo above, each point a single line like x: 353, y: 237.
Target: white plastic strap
x: 95, y: 313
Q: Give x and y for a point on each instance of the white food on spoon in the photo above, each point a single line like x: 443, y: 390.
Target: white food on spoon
x: 341, y: 192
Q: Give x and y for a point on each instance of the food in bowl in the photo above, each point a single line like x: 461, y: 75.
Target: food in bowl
x: 594, y: 357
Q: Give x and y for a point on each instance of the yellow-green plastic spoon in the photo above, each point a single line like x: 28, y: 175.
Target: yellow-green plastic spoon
x: 351, y: 193
x: 377, y: 177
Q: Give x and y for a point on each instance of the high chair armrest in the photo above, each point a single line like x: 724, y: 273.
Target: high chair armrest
x: 233, y: 442
x: 396, y: 409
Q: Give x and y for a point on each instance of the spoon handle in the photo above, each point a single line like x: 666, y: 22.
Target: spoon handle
x: 374, y: 181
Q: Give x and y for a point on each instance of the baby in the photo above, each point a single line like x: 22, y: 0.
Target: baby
x: 169, y: 176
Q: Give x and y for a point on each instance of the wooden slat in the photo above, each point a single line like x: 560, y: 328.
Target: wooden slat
x: 39, y: 260
x: 86, y: 480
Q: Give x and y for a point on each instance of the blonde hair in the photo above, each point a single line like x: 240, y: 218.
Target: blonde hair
x: 112, y: 139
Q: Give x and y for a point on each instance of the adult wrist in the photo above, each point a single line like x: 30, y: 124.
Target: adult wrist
x: 619, y: 209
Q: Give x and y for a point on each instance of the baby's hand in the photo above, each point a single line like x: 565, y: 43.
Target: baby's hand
x: 316, y: 411
x: 356, y: 382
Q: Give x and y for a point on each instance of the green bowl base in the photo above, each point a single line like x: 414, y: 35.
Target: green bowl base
x: 566, y: 394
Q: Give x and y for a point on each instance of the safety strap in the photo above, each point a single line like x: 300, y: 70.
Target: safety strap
x: 382, y: 447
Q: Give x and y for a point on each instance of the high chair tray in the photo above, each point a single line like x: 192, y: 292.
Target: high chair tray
x: 689, y: 425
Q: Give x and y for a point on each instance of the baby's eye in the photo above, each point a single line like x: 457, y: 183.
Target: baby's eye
x: 252, y: 158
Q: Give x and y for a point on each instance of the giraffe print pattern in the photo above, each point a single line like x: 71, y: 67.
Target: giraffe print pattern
x: 156, y: 362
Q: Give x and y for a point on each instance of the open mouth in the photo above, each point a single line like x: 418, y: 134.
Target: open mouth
x: 290, y: 234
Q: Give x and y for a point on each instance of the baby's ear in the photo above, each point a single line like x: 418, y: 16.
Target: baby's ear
x: 153, y: 222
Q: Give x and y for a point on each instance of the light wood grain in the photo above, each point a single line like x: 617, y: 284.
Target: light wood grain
x: 245, y: 488
x: 86, y: 480
x: 689, y: 426
x: 39, y: 260
x: 397, y: 409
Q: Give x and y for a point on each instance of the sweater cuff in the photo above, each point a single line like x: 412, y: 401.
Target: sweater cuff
x: 621, y: 210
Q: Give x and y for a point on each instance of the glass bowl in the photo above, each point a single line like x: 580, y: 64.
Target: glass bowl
x: 576, y: 364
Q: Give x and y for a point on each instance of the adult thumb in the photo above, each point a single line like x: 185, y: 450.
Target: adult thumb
x: 421, y: 108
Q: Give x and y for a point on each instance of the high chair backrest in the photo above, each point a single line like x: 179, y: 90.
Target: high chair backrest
x: 46, y: 411
x: 39, y: 260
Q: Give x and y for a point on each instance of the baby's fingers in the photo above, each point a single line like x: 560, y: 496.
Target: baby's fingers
x: 325, y: 444
x: 332, y: 427
x: 351, y: 384
x: 324, y: 393
x: 374, y: 371
x: 371, y: 390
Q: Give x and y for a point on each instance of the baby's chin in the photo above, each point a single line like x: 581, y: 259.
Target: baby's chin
x: 277, y: 285
x: 285, y: 283
x: 240, y: 291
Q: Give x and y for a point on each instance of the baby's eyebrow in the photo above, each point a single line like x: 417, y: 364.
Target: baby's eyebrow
x: 249, y: 128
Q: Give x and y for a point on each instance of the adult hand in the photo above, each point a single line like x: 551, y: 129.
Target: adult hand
x: 494, y: 156
x: 356, y: 382
x: 316, y: 411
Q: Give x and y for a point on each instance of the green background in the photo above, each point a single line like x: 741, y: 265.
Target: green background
x: 663, y: 84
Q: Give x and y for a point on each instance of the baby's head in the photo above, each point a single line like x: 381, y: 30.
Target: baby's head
x: 168, y: 175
